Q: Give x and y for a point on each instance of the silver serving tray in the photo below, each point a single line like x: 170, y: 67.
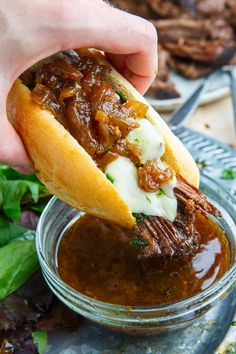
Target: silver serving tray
x: 212, y: 333
x: 209, y: 152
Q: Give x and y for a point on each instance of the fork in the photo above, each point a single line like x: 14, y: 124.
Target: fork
x: 228, y: 69
x: 185, y: 111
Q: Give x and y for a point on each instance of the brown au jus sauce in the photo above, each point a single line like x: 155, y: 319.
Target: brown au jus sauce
x: 100, y: 260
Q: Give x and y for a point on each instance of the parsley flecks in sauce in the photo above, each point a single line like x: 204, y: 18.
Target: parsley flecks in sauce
x: 139, y: 242
x: 139, y: 217
x: 98, y: 259
x: 228, y: 173
x: 109, y: 148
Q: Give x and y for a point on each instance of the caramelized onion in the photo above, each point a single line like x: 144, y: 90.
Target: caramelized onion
x: 134, y: 153
x: 43, y: 96
x: 80, y: 124
x: 88, y: 106
x: 105, y: 159
x: 67, y: 93
x: 60, y: 67
x: 151, y: 176
x: 136, y: 107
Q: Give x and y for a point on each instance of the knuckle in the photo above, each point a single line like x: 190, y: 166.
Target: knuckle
x: 149, y: 33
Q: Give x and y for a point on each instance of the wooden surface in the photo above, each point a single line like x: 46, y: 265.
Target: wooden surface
x: 215, y: 120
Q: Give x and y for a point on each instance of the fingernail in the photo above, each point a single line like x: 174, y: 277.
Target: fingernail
x: 23, y: 170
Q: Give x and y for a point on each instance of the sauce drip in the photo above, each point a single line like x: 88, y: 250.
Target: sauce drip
x: 100, y: 260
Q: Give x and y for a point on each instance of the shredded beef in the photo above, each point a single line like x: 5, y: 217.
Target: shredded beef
x: 179, y: 238
x: 208, y: 41
x: 162, y: 88
x: 198, y: 36
x: 151, y: 177
x: 168, y: 239
x: 209, y: 7
x: 190, y: 69
x: 216, y: 53
x: 168, y: 9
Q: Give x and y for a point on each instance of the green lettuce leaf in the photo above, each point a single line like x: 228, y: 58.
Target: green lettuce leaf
x: 10, y: 232
x: 11, y: 193
x: 41, y: 339
x: 16, y: 188
x: 18, y: 261
x: 10, y: 174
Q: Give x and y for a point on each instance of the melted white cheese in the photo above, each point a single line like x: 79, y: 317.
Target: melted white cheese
x: 148, y: 139
x: 125, y: 175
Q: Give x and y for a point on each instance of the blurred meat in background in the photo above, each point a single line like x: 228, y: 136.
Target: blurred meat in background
x: 195, y: 37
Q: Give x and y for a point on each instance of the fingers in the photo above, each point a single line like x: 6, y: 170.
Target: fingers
x: 132, y: 44
x: 12, y: 151
x: 68, y: 24
x: 130, y: 40
x: 121, y: 63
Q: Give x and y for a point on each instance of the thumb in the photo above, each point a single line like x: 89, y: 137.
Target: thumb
x: 12, y: 150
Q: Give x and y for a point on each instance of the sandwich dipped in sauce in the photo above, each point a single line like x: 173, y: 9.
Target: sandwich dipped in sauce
x: 97, y: 144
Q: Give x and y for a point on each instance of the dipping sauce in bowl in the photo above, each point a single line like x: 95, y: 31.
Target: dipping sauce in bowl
x: 100, y: 260
x: 85, y: 260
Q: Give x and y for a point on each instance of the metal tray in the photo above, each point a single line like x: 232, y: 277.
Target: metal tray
x: 211, y: 155
x: 213, y: 330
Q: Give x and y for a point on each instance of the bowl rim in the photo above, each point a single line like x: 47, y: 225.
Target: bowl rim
x: 203, y: 297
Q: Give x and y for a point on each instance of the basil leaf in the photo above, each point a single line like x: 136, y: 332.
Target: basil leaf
x: 40, y: 338
x: 12, y: 175
x: 16, y: 188
x: 10, y: 232
x: 18, y: 261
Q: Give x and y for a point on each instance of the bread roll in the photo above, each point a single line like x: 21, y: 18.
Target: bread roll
x: 67, y: 170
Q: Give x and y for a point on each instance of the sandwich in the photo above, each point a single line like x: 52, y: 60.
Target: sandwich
x: 98, y: 145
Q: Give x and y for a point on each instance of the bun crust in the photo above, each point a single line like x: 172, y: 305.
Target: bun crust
x: 67, y: 169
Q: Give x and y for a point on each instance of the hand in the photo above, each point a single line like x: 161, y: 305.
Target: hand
x: 32, y: 30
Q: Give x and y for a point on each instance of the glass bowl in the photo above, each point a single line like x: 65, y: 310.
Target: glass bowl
x: 58, y: 216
